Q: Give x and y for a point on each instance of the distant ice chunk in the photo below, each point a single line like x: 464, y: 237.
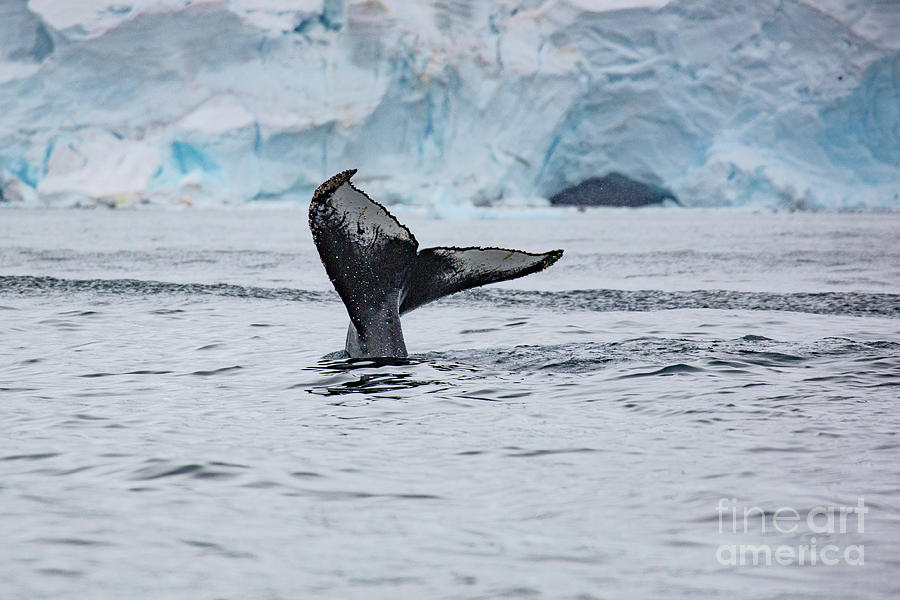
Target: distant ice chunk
x: 93, y: 165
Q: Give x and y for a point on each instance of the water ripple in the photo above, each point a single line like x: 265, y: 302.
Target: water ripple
x: 596, y: 300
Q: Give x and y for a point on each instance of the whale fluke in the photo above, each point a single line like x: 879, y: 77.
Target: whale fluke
x: 373, y: 261
x: 439, y: 272
x: 367, y: 254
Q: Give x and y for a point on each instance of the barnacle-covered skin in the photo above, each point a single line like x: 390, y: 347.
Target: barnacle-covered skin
x: 372, y: 260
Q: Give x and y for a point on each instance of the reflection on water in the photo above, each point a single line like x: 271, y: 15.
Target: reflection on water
x: 363, y: 376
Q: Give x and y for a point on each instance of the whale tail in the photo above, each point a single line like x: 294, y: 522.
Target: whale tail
x: 374, y: 263
x: 439, y: 272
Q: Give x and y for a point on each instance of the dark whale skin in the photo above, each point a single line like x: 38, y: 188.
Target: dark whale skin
x: 376, y: 268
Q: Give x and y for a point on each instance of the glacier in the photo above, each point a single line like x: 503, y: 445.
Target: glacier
x: 449, y: 104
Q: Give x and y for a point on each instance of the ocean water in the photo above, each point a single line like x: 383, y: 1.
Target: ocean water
x: 172, y: 426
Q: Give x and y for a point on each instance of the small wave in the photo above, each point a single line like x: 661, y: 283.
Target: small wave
x: 672, y: 356
x: 218, y: 549
x: 594, y: 300
x: 37, y: 456
x: 770, y: 359
x: 675, y: 369
x: 72, y: 542
x: 57, y: 572
x: 162, y: 469
x: 182, y: 470
x: 519, y: 452
x: 138, y: 372
x: 207, y: 373
x: 603, y: 300
x: 29, y: 284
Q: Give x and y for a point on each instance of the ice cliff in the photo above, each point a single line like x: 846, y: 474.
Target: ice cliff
x: 790, y: 103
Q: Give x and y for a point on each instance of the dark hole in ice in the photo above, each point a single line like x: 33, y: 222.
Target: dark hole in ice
x: 613, y: 189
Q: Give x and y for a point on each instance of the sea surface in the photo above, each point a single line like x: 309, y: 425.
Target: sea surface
x: 173, y: 424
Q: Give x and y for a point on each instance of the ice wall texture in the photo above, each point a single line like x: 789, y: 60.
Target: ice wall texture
x: 452, y: 102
